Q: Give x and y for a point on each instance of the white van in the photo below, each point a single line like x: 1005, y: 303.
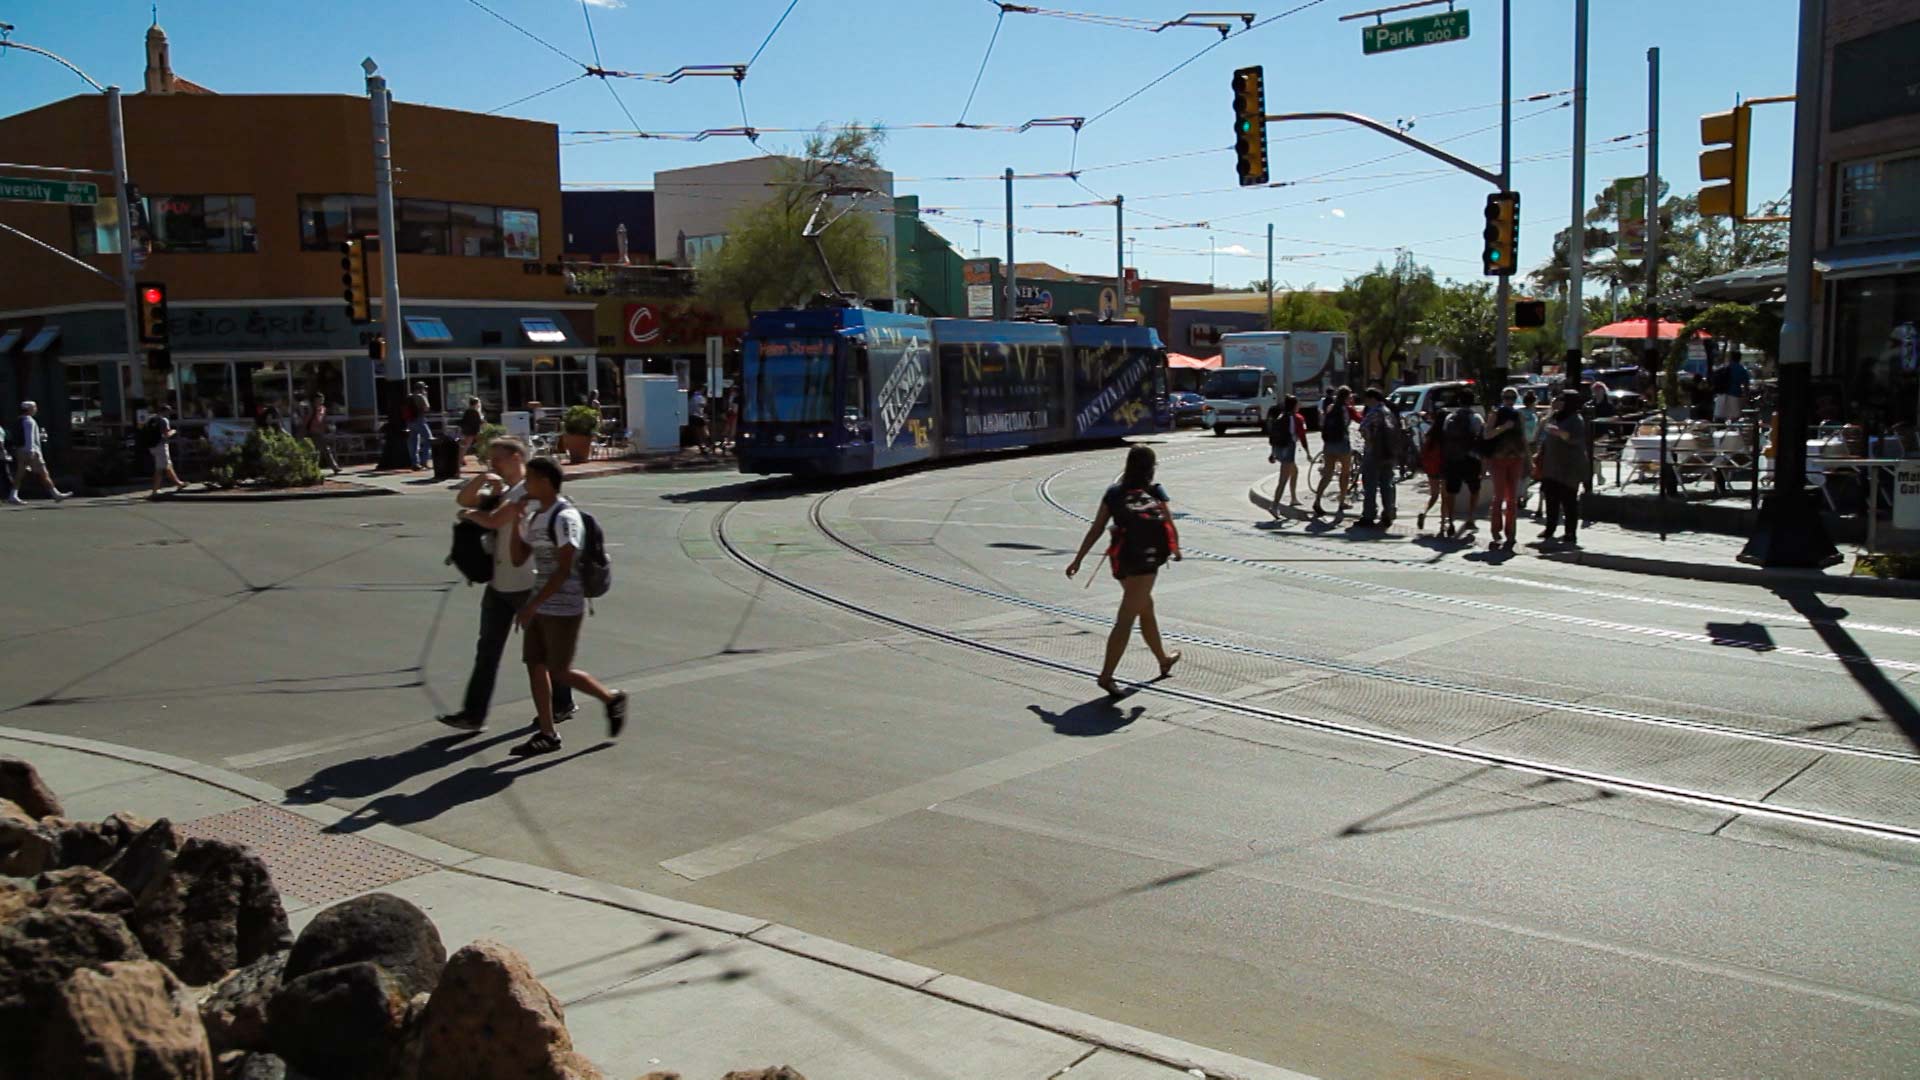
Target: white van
x: 1262, y: 367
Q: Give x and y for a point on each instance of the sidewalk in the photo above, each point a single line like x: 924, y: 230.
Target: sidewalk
x: 1696, y: 556
x: 647, y: 982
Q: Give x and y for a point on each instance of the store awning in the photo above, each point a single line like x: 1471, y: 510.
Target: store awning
x: 428, y: 330
x: 1666, y: 329
x: 9, y: 339
x: 1746, y: 285
x: 543, y: 331
x: 1182, y: 360
x: 43, y: 340
x: 1870, y: 260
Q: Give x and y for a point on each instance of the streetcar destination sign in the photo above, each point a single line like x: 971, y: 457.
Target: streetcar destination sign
x: 1411, y: 33
x: 16, y: 189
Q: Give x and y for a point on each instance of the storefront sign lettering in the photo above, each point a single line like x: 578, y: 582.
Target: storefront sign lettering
x: 643, y: 325
x: 255, y: 328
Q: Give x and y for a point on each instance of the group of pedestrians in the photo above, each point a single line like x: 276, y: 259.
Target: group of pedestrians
x: 535, y: 588
x: 1458, y: 451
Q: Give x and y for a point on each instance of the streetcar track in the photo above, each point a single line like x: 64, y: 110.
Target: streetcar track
x: 1486, y: 605
x: 1509, y: 762
x: 1366, y: 671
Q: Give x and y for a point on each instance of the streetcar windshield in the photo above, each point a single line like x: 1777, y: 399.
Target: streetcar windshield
x: 791, y: 381
x: 1232, y: 383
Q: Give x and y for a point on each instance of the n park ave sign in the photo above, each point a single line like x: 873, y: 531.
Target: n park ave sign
x: 1412, y: 33
x: 16, y: 189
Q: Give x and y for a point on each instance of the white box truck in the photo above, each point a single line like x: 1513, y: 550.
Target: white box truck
x: 1259, y: 368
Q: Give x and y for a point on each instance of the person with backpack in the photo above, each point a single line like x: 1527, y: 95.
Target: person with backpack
x: 1287, y: 435
x: 560, y: 542
x: 33, y: 452
x: 1336, y: 447
x: 1380, y: 427
x: 1460, y: 451
x: 492, y: 504
x: 157, y: 435
x: 471, y: 422
x: 1506, y: 463
x: 1143, y: 540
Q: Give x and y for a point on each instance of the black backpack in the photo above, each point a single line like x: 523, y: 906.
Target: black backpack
x: 149, y: 435
x: 472, y: 554
x: 591, y: 564
x: 1333, y: 422
x: 1143, y: 534
x: 1457, y: 435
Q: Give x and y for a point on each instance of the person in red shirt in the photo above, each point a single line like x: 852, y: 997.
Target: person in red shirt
x: 1287, y: 435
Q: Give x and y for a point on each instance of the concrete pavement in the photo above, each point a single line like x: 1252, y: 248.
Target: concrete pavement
x: 647, y: 982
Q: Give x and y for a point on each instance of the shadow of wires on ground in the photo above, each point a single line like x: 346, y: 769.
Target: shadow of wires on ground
x: 1894, y: 703
x: 468, y: 785
x: 1101, y: 716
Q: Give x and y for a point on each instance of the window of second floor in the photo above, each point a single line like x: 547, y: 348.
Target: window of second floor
x: 423, y: 226
x: 1878, y: 198
x: 201, y: 223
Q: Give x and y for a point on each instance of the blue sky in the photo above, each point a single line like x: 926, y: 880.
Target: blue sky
x: 913, y: 61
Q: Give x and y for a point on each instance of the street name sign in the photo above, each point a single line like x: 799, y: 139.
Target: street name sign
x: 1412, y: 33
x: 16, y: 189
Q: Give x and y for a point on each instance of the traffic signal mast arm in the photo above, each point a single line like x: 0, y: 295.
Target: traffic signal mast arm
x: 1393, y: 133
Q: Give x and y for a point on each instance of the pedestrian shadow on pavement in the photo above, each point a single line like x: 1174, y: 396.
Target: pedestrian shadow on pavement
x: 1101, y: 716
x: 1488, y: 556
x: 367, y: 776
x: 1742, y: 635
x: 468, y: 785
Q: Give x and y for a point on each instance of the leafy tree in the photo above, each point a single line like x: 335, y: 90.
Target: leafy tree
x: 1384, y: 308
x: 1462, y: 320
x: 766, y: 262
x: 1305, y: 309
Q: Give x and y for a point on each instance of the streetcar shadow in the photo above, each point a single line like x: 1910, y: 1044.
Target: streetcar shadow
x: 756, y: 490
x: 1101, y: 716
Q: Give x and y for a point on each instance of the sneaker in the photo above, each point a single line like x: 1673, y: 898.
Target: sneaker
x: 461, y: 721
x: 1365, y: 523
x: 617, y: 714
x: 62, y: 496
x: 560, y: 716
x: 16, y: 500
x: 541, y: 743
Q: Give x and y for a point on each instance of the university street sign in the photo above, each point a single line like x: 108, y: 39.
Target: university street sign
x: 16, y: 189
x: 1412, y: 33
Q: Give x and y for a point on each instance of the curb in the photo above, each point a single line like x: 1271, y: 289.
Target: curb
x: 954, y: 989
x: 358, y: 491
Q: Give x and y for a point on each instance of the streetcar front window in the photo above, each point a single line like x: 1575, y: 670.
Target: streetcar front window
x: 791, y: 381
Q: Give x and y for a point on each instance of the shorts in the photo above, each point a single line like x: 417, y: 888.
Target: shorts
x: 1284, y: 454
x: 1464, y: 472
x: 162, y: 457
x: 550, y: 640
x: 1336, y: 449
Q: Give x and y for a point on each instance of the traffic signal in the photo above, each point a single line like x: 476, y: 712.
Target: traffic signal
x: 151, y: 298
x: 1250, y: 125
x: 353, y: 280
x: 1502, y: 234
x: 160, y: 359
x: 1728, y: 131
x: 1528, y: 314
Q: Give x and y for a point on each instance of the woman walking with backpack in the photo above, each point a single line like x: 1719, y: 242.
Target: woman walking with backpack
x: 1336, y: 447
x: 1143, y: 540
x: 1287, y: 435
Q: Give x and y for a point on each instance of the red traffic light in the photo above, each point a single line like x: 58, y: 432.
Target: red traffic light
x: 153, y: 295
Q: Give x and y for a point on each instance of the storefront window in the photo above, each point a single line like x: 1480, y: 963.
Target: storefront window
x: 573, y: 380
x: 487, y: 386
x: 84, y: 405
x: 422, y: 225
x: 476, y: 229
x: 1879, y: 198
x: 520, y: 234
x: 96, y: 229
x: 222, y: 224
x: 312, y: 377
x: 205, y: 391
x: 1874, y: 316
x: 265, y: 384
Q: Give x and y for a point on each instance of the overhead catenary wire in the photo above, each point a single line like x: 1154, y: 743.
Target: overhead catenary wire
x: 998, y: 21
x: 538, y: 93
x: 548, y: 45
x: 764, y: 42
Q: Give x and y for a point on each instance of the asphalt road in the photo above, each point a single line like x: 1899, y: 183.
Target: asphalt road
x: 1344, y: 907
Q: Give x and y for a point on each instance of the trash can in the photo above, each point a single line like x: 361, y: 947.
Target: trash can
x: 446, y: 458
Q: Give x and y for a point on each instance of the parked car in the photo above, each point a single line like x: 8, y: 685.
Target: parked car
x: 1416, y: 403
x: 1186, y: 407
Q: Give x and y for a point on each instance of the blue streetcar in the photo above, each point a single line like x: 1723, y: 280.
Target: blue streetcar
x: 832, y: 391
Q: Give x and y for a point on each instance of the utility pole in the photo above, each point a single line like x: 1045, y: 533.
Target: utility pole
x: 1650, y: 349
x: 117, y: 138
x: 1577, y: 238
x: 1270, y: 276
x: 1013, y: 295
x: 1503, y: 287
x: 1119, y: 257
x: 1790, y: 532
x: 394, y: 454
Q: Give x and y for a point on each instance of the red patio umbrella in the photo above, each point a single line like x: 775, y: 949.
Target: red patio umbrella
x: 1182, y: 360
x: 1637, y: 328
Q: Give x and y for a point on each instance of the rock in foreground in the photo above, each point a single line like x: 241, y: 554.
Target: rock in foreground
x: 491, y: 1019
x: 127, y: 1020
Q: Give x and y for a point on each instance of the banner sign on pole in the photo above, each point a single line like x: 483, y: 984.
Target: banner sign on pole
x: 1630, y: 199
